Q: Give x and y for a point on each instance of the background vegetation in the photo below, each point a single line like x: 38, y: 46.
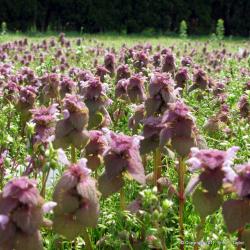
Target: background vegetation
x: 126, y: 16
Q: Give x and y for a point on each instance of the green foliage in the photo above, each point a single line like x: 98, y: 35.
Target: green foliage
x: 126, y: 16
x: 220, y: 30
x: 183, y: 29
x: 3, y: 28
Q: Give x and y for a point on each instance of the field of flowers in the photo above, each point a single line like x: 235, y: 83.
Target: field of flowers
x: 114, y: 142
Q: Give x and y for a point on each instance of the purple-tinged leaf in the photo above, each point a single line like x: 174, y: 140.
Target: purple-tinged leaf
x: 192, y: 184
x: 246, y: 238
x: 236, y: 214
x: 212, y: 180
x: 109, y: 186
x: 206, y: 203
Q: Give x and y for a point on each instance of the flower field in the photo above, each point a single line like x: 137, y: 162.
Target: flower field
x: 127, y: 142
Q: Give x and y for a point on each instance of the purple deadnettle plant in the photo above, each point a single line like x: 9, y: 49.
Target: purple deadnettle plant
x: 136, y: 119
x: 244, y: 106
x: 186, y: 61
x: 21, y: 215
x: 71, y: 130
x: 44, y: 119
x: 241, y: 182
x: 152, y: 127
x: 67, y: 86
x: 216, y: 171
x: 215, y: 165
x: 109, y: 62
x: 156, y: 60
x: 101, y: 71
x: 121, y: 89
x: 168, y: 62
x: 135, y: 89
x: 122, y: 72
x: 95, y: 149
x: 121, y: 156
x: 161, y: 93
x: 200, y: 80
x: 140, y: 60
x: 50, y: 89
x: 11, y: 91
x: 27, y: 97
x: 236, y: 212
x: 77, y: 201
x: 181, y: 78
x: 94, y: 94
x: 179, y: 128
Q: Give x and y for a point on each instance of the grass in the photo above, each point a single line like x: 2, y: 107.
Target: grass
x: 115, y: 226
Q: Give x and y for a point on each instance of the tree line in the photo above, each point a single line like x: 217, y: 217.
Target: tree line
x: 128, y: 16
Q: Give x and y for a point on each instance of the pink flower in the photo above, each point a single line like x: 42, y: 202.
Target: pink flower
x: 67, y: 86
x: 95, y: 148
x: 44, y: 119
x: 181, y: 77
x: 21, y: 214
x: 140, y: 60
x: 109, y: 62
x: 135, y: 88
x: 94, y: 94
x: 161, y: 93
x: 186, y: 61
x: 72, y: 129
x: 179, y: 128
x: 168, y: 62
x: 152, y: 127
x: 121, y: 155
x: 244, y: 106
x: 157, y: 60
x: 200, y: 80
x: 122, y: 72
x: 211, y: 158
x: 121, y: 89
x: 101, y: 71
x: 51, y: 83
x: 136, y: 119
x: 242, y: 180
x: 77, y: 201
x: 215, y: 166
x: 23, y: 190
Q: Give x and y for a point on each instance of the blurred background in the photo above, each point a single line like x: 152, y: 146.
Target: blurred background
x: 126, y: 16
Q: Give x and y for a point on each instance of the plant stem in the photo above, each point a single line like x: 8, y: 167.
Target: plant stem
x: 199, y: 233
x: 239, y: 239
x: 181, y: 172
x: 157, y: 166
x: 161, y: 236
x: 144, y: 161
x: 44, y: 181
x: 1, y: 178
x: 122, y: 200
x: 85, y: 232
x: 73, y: 154
x: 87, y: 239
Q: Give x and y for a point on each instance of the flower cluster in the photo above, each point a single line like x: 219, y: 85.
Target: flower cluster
x: 21, y: 215
x: 122, y: 155
x: 77, y: 201
x: 44, y: 119
x: 161, y: 93
x: 71, y: 130
x: 94, y: 94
